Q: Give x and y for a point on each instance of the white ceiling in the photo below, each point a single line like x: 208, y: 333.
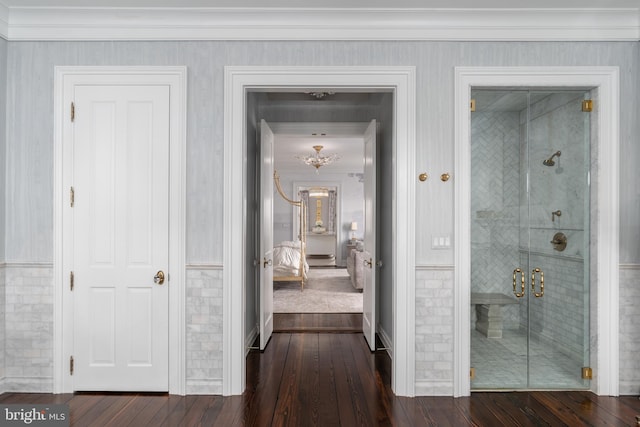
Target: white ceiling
x: 344, y: 139
x: 349, y: 149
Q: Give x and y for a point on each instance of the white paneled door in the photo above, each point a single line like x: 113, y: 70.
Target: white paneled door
x: 121, y: 238
x: 266, y: 234
x: 369, y: 285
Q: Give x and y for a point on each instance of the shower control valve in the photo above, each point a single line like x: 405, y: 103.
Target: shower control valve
x: 555, y: 214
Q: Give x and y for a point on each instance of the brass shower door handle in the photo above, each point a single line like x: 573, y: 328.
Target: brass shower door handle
x: 515, y: 273
x: 533, y: 282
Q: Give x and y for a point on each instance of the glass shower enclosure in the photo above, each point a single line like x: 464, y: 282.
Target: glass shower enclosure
x: 530, y: 161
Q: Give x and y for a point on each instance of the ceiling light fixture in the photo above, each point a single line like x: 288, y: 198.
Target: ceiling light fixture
x: 316, y: 159
x: 320, y: 95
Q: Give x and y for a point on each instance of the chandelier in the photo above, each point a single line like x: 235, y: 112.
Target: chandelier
x: 316, y: 159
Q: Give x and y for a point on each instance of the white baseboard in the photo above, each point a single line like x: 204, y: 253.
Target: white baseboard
x: 26, y: 385
x: 248, y: 342
x: 387, y: 343
x: 205, y: 386
x: 434, y: 388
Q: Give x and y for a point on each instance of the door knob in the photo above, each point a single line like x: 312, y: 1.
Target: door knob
x: 158, y: 279
x: 266, y: 262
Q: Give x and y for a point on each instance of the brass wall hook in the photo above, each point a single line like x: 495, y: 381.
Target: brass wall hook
x: 445, y: 177
x: 423, y: 177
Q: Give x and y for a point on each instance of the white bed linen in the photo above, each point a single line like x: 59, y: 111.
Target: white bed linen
x: 286, y: 260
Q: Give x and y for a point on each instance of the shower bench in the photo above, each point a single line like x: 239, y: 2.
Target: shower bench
x: 489, y: 312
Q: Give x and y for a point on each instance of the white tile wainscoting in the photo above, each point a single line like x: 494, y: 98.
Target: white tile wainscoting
x: 629, y: 329
x: 434, y: 330
x: 26, y: 324
x: 204, y: 329
x: 28, y: 327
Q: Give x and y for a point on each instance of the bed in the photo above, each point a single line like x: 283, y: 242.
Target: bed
x: 289, y: 263
x: 289, y: 257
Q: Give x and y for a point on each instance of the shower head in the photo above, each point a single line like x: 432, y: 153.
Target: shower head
x: 549, y: 161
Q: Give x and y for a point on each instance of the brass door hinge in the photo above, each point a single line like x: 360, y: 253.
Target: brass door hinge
x: 587, y: 373
x: 587, y: 105
x: 472, y: 373
x: 71, y: 365
x: 71, y: 280
x: 73, y: 111
x: 72, y: 197
x: 472, y: 105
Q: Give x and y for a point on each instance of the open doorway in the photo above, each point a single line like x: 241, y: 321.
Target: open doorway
x: 333, y: 194
x: 341, y: 247
x: 240, y: 261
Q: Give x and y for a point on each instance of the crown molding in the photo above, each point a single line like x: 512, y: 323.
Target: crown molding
x: 535, y: 24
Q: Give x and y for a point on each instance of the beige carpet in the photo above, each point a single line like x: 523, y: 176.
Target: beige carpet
x: 328, y: 290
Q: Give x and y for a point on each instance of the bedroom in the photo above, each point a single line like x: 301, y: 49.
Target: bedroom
x: 337, y: 121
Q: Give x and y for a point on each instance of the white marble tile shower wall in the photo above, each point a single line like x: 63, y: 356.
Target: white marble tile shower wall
x: 559, y: 317
x: 557, y: 124
x: 204, y: 330
x: 29, y: 328
x: 434, y: 332
x: 495, y: 146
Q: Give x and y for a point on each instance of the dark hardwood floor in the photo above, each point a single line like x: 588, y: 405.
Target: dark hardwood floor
x: 317, y: 322
x: 332, y: 379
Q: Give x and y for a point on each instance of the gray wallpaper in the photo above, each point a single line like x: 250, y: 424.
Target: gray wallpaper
x: 30, y: 123
x: 3, y: 164
x: 3, y: 141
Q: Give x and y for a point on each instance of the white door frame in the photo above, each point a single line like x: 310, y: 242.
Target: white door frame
x: 238, y: 80
x: 65, y: 79
x: 606, y: 80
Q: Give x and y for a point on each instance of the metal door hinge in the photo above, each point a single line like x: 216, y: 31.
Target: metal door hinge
x: 71, y: 280
x: 587, y: 105
x: 71, y: 365
x: 472, y: 105
x: 472, y: 373
x: 72, y: 196
x: 73, y: 111
x: 587, y: 373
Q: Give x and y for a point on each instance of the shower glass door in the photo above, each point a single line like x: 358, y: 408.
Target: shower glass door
x: 530, y: 157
